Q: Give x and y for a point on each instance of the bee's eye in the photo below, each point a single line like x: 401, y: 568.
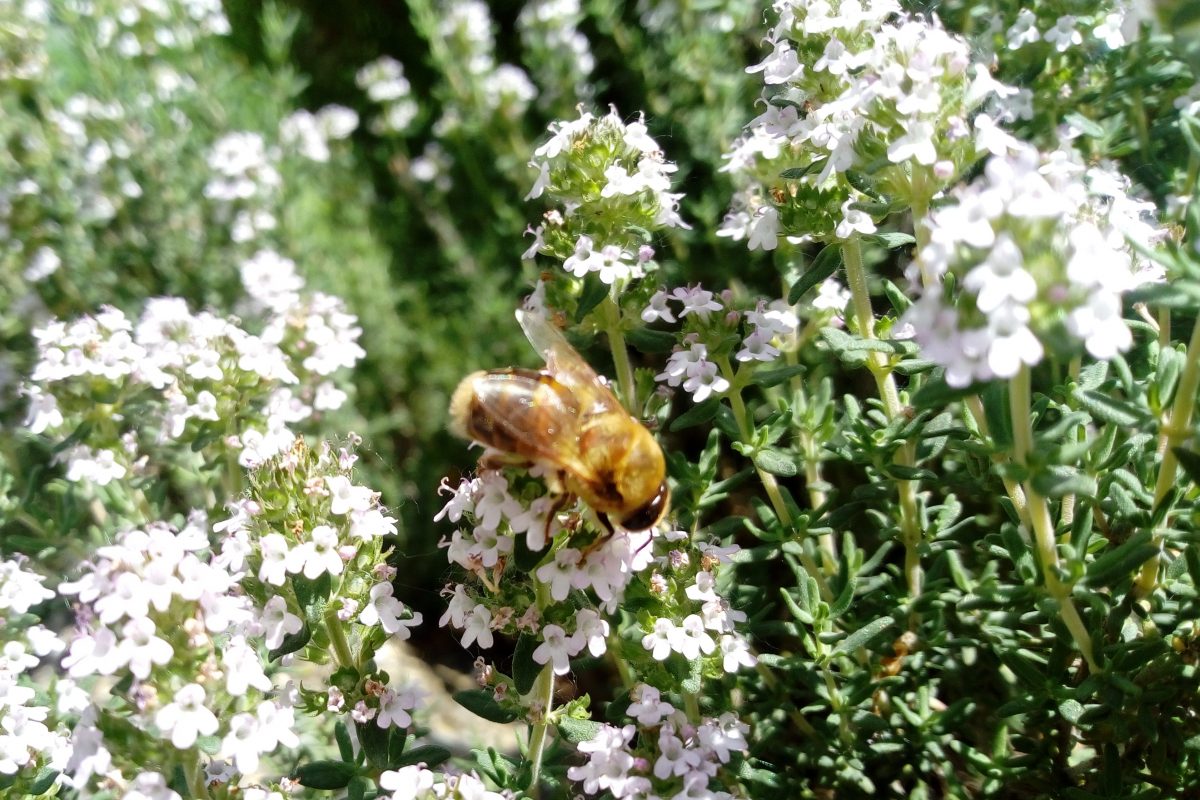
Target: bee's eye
x: 649, y: 513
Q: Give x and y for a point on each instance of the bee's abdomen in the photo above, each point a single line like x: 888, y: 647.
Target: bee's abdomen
x: 514, y: 410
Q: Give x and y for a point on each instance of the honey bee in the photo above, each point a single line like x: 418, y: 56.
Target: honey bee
x: 566, y: 419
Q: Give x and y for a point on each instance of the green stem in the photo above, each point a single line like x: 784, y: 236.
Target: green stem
x: 772, y: 682
x: 543, y: 694
x: 337, y: 638
x: 616, y: 341
x: 691, y: 705
x: 812, y: 473
x: 1039, y: 518
x: 1015, y: 493
x: 1174, y: 430
x: 778, y: 504
x: 905, y: 456
x: 197, y: 786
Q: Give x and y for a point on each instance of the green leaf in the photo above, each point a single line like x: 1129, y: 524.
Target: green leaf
x: 775, y: 462
x: 1178, y: 294
x: 525, y: 669
x: 341, y: 735
x: 996, y: 405
x: 1110, y: 409
x: 896, y: 296
x: 431, y: 755
x: 1087, y: 126
x: 325, y: 774
x: 650, y: 341
x: 578, y: 730
x: 890, y: 239
x: 842, y: 603
x: 795, y: 173
x: 482, y: 703
x: 697, y: 414
x: 374, y: 741
x: 1120, y: 562
x: 1071, y: 710
x: 210, y: 745
x: 1190, y: 461
x: 594, y: 292
x: 44, y: 780
x: 1060, y: 481
x: 310, y: 593
x: 825, y: 264
x: 936, y: 393
x: 773, y: 377
x: 525, y: 559
x: 397, y: 740
x: 358, y: 788
x: 863, y: 635
x: 291, y: 643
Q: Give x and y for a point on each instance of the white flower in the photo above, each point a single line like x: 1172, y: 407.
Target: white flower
x: 659, y: 640
x: 243, y: 668
x: 242, y: 743
x: 658, y: 308
x: 371, y: 524
x: 1064, y: 34
x: 556, y: 648
x: 149, y: 786
x: 346, y: 497
x: 20, y: 590
x: 690, y: 639
x: 591, y: 630
x: 318, y: 555
x: 275, y: 553
x: 763, y: 230
x: 394, y: 707
x: 648, y: 708
x: 735, y: 653
x: 413, y: 782
x: 140, y: 647
x: 186, y: 717
x: 478, y: 627
x: 388, y: 612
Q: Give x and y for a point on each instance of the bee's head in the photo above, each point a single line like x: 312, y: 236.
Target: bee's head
x: 648, y: 514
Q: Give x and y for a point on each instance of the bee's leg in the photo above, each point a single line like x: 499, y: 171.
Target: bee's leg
x: 495, y: 460
x: 603, y: 538
x: 561, y: 500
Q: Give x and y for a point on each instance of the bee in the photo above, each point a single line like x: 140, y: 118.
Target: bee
x: 566, y: 419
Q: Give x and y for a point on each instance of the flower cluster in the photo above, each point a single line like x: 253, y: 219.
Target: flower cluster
x: 244, y: 184
x: 578, y: 581
x: 612, y: 185
x: 384, y: 82
x: 466, y: 29
x: 175, y: 374
x: 166, y: 617
x: 770, y: 328
x: 134, y: 29
x: 308, y: 537
x: 1040, y: 249
x: 310, y: 134
x: 27, y: 744
x: 565, y: 599
x: 418, y: 783
x: 665, y: 755
x: 1062, y: 32
x: 551, y: 37
x: 859, y: 108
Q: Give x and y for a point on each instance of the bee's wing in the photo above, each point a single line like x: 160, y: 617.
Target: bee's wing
x: 567, y: 366
x: 528, y: 413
